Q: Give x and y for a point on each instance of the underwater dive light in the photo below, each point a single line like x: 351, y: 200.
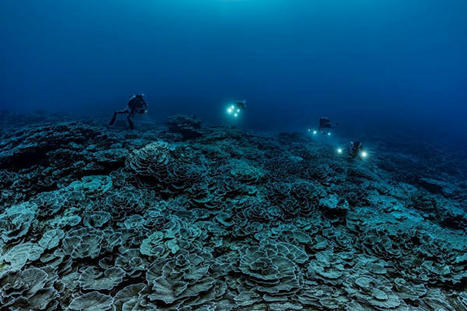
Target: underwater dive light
x: 329, y: 133
x: 363, y: 154
x: 339, y: 150
x: 230, y: 109
x: 233, y: 111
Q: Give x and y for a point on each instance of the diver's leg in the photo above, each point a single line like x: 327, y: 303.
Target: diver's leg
x: 114, y: 117
x: 130, y: 122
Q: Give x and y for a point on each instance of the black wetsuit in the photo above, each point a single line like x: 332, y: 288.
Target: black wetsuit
x: 135, y: 105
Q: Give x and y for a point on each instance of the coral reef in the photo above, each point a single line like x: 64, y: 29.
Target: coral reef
x: 195, y: 218
x: 185, y: 126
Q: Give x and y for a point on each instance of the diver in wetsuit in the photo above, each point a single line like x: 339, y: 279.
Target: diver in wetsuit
x: 325, y: 125
x: 241, y: 104
x: 355, y: 148
x: 137, y: 104
x: 235, y: 108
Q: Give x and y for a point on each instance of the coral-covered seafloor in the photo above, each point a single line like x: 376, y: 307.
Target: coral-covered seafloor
x: 192, y: 218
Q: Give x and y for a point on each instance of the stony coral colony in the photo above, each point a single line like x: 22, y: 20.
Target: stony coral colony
x: 192, y: 218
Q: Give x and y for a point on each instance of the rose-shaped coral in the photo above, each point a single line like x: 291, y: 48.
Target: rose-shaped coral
x: 270, y: 269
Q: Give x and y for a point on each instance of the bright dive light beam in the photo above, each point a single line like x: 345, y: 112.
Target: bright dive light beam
x: 329, y: 133
x: 364, y: 154
x: 230, y: 109
x: 339, y: 150
x: 315, y: 132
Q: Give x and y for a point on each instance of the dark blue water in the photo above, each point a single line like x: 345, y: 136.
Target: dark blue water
x: 367, y: 64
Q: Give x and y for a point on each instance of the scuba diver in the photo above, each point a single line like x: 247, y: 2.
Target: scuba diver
x: 355, y: 149
x: 235, y: 108
x: 240, y: 104
x: 325, y: 125
x: 136, y: 105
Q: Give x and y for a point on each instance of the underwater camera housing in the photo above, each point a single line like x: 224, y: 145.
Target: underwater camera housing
x: 235, y: 108
x: 233, y: 111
